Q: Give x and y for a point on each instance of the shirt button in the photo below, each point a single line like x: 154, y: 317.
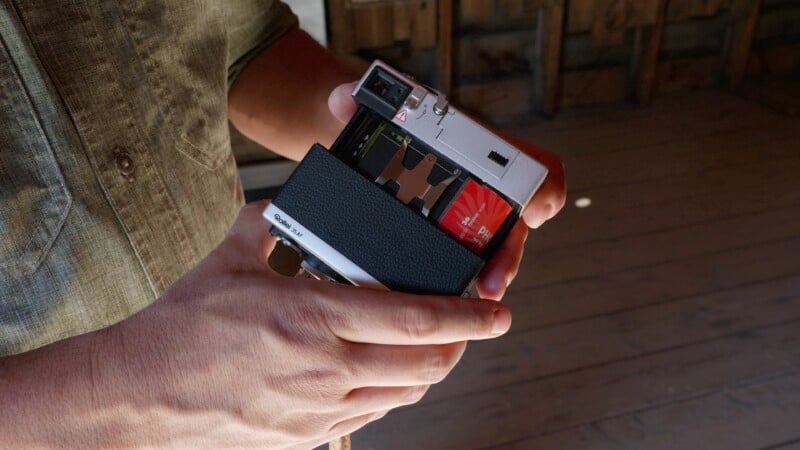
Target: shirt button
x: 124, y: 163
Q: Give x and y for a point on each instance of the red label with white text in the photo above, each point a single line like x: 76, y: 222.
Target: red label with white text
x: 475, y: 215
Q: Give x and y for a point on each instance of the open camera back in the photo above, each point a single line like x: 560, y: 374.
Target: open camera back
x: 413, y: 196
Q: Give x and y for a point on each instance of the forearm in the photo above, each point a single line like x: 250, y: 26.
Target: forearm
x: 170, y: 376
x: 280, y: 100
x: 49, y: 396
x: 93, y: 391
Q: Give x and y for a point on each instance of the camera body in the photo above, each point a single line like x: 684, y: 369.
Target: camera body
x: 413, y: 196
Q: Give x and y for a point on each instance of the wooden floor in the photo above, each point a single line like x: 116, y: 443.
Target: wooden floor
x: 665, y: 315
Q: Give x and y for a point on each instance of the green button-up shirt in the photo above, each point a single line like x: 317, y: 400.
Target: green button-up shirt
x: 116, y: 173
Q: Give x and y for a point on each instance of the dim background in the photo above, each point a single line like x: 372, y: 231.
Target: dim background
x: 661, y: 308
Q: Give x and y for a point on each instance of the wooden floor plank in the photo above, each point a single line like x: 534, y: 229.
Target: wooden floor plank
x: 552, y: 404
x: 629, y: 334
x: 793, y: 444
x: 576, y: 262
x: 667, y: 160
x: 751, y: 193
x: 753, y: 416
x: 627, y: 289
x: 734, y: 177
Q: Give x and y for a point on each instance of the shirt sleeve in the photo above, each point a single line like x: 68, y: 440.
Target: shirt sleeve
x: 254, y: 25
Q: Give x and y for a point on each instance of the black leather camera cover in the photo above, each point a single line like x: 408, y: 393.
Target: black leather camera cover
x: 397, y: 246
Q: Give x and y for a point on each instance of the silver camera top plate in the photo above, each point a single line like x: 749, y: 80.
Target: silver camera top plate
x: 427, y: 115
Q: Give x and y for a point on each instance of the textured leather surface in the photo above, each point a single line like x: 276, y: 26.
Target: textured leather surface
x: 395, y: 245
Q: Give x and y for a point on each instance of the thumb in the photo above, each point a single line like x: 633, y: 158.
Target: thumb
x: 341, y: 102
x: 249, y: 243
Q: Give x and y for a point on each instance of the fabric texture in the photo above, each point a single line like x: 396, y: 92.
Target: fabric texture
x: 116, y: 173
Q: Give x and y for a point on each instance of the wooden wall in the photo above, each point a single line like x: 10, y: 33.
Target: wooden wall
x: 501, y: 58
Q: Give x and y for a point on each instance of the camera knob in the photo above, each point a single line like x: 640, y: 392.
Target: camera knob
x: 416, y: 96
x: 440, y: 107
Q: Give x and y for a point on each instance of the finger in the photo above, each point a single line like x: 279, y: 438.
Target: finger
x: 403, y: 365
x: 372, y: 399
x: 341, y: 102
x: 547, y: 201
x: 552, y: 195
x: 249, y: 243
x: 382, y: 317
x: 504, y: 265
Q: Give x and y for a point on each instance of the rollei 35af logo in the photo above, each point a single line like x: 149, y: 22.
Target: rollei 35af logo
x: 285, y: 223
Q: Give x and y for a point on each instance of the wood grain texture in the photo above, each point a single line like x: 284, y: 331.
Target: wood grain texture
x: 744, y: 14
x: 341, y: 39
x: 373, y: 26
x: 402, y: 15
x: 573, y: 53
x: 680, y: 10
x: 607, y: 20
x: 646, y: 72
x: 769, y: 409
x: 782, y: 95
x: 550, y: 41
x: 526, y: 410
x: 474, y: 11
x: 424, y: 25
x: 780, y: 60
x: 445, y: 32
x: 487, y: 15
x: 593, y: 86
x: 494, y: 100
x: 776, y: 51
x: 483, y: 57
x: 666, y: 315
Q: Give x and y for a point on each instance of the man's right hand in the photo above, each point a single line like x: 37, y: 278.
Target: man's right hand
x: 234, y: 355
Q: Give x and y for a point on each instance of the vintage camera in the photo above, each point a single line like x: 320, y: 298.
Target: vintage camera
x: 413, y: 196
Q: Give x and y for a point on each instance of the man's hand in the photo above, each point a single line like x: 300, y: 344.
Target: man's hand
x: 234, y: 355
x: 547, y: 202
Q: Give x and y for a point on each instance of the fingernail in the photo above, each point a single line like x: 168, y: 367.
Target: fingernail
x: 502, y: 322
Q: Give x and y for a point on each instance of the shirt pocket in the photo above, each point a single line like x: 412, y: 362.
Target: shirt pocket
x: 34, y: 199
x: 182, y: 48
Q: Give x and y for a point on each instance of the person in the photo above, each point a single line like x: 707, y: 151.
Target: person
x: 137, y: 305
